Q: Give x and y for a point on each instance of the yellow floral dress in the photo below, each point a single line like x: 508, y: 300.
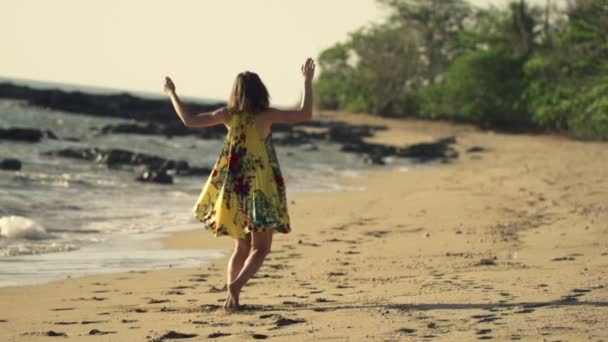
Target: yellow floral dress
x: 245, y: 191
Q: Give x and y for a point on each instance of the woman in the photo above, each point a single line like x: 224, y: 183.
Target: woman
x: 244, y: 197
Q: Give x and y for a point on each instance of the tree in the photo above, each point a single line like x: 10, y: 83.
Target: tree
x: 388, y: 62
x: 436, y: 23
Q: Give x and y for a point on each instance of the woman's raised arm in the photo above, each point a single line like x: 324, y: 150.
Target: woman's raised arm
x: 305, y: 112
x: 219, y: 116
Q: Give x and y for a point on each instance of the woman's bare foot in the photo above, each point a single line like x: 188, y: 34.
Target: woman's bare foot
x: 228, y: 303
x: 233, y: 296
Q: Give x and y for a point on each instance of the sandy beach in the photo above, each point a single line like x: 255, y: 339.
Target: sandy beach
x: 509, y: 242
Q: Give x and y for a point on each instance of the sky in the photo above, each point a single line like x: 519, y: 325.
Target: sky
x: 201, y: 44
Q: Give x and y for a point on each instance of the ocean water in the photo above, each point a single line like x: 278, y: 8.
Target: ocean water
x: 66, y: 218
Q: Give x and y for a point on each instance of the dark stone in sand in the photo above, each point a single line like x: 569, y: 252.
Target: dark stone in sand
x: 10, y: 164
x: 151, y: 175
x: 55, y: 333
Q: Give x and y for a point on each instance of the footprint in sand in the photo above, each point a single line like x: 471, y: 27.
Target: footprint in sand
x: 485, y: 318
x: 217, y: 334
x: 282, y: 321
x: 99, y: 332
x: 524, y: 311
x: 376, y: 233
x: 214, y: 289
x: 406, y: 330
x: 294, y: 304
x: 183, y: 287
x: 65, y: 323
x: 172, y: 335
x: 324, y: 300
x: 209, y: 307
x: 158, y: 301
x: 99, y: 299
x: 566, y: 258
x: 174, y: 292
x: 483, y: 331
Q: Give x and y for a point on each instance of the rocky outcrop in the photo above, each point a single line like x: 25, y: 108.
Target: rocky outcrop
x: 423, y: 152
x: 10, y: 164
x: 123, y: 105
x: 155, y: 168
x: 152, y: 175
x: 31, y: 135
x: 169, y: 129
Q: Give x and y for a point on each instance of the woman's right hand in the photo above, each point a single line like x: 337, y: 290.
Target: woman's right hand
x: 169, y: 87
x: 308, y: 69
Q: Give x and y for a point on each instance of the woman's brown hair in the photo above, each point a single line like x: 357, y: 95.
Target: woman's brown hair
x: 249, y: 94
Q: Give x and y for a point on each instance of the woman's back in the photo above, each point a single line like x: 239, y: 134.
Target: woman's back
x: 245, y: 191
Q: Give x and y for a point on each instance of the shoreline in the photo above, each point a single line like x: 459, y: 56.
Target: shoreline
x: 508, y: 243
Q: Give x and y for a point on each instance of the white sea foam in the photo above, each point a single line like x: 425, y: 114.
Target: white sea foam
x: 18, y: 227
x: 36, y: 248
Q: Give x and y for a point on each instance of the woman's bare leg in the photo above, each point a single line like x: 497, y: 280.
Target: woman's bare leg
x: 235, y: 264
x: 261, y: 243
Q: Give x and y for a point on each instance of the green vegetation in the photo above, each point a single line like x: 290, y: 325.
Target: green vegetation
x: 516, y: 68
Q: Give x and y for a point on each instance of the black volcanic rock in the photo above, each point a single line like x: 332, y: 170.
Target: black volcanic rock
x: 155, y: 175
x: 169, y: 129
x: 123, y: 105
x: 10, y: 164
x: 114, y: 158
x: 21, y: 134
x: 348, y: 133
x: 425, y: 152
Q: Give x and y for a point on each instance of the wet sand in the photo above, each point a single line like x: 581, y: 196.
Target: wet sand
x: 510, y: 242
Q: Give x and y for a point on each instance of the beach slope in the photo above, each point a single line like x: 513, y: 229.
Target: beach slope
x: 509, y: 242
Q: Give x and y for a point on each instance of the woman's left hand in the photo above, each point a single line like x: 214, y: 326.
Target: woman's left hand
x: 169, y: 87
